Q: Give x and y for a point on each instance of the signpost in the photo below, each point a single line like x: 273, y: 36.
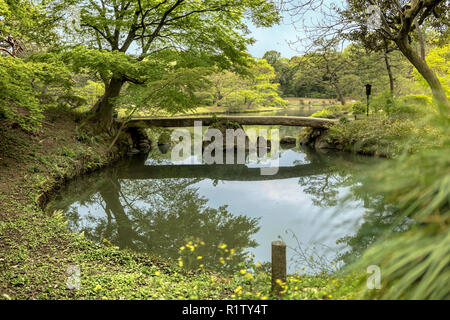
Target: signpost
x: 368, y: 92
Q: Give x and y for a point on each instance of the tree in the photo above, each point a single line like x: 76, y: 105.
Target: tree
x: 256, y: 89
x: 139, y: 32
x: 284, y: 71
x: 272, y: 57
x: 328, y: 64
x: 24, y: 24
x: 27, y: 87
x: 398, y: 21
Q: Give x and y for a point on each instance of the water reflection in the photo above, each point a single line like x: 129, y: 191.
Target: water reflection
x: 154, y: 205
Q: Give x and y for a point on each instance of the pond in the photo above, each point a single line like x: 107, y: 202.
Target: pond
x: 230, y: 213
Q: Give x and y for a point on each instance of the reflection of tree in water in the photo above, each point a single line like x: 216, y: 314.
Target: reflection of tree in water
x: 380, y: 220
x: 160, y: 216
x: 324, y: 189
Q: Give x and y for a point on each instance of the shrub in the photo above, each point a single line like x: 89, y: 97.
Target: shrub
x: 332, y: 112
x: 419, y: 99
x: 358, y: 108
x: 383, y: 101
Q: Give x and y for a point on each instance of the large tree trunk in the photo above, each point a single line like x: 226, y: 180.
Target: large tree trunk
x: 110, y: 194
x: 389, y: 71
x: 427, y: 73
x: 420, y: 36
x: 104, y: 107
x: 339, y: 92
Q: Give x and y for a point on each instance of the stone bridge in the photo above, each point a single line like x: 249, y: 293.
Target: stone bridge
x: 146, y: 122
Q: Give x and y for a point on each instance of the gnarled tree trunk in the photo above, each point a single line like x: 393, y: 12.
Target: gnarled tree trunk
x: 427, y: 73
x: 389, y: 71
x: 104, y: 107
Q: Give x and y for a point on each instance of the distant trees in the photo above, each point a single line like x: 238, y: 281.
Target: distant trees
x: 388, y: 24
x: 239, y: 92
x: 329, y: 73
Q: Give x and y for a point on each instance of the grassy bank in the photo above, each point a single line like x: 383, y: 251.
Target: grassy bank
x: 394, y: 127
x: 36, y: 249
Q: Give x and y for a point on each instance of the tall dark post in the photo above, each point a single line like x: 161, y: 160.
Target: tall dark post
x: 368, y: 91
x: 278, y: 266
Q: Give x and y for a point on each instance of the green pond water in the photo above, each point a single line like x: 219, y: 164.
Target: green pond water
x: 152, y: 204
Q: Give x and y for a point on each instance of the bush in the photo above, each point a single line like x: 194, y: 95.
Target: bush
x: 358, y: 108
x: 383, y: 101
x: 419, y: 99
x: 382, y: 135
x: 332, y: 112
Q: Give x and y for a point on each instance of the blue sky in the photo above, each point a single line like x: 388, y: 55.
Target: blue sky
x: 274, y: 38
x: 278, y: 36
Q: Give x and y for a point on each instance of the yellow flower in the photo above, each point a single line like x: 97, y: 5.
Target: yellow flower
x: 199, y: 258
x: 222, y: 246
x: 180, y: 263
x: 157, y: 273
x: 222, y: 260
x: 182, y: 248
x: 201, y: 266
x: 97, y: 287
x: 249, y: 276
x: 243, y: 271
x: 238, y: 290
x: 104, y: 298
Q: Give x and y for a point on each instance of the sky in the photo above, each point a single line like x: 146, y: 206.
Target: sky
x: 278, y: 36
x: 274, y: 38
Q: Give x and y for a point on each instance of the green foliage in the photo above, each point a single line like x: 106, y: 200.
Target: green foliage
x: 173, y: 43
x: 383, y: 135
x: 27, y: 88
x: 358, y: 108
x: 419, y: 99
x: 90, y: 92
x: 414, y: 263
x: 438, y: 58
x: 353, y: 67
x: 383, y: 101
x: 255, y: 90
x: 333, y: 111
x: 24, y: 25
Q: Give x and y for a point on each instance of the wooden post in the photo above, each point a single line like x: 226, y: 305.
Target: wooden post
x: 278, y: 265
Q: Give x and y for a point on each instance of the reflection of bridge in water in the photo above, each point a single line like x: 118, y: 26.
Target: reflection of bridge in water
x: 136, y: 169
x: 231, y: 172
